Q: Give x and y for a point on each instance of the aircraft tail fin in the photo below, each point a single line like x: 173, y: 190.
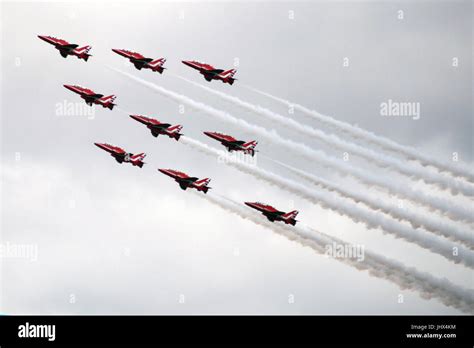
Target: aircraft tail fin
x: 201, y: 185
x: 289, y: 218
x: 250, y: 147
x: 174, y: 131
x: 157, y: 62
x: 228, y: 73
x: 157, y: 65
x: 84, y: 49
x: 228, y: 76
x: 291, y: 214
x: 108, y: 101
x: 137, y: 160
x: 83, y: 52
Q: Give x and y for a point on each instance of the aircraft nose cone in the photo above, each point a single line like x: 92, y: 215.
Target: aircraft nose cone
x: 250, y: 204
x: 208, y: 133
x: 115, y: 50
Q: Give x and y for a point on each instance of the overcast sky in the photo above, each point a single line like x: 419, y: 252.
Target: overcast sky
x: 114, y: 238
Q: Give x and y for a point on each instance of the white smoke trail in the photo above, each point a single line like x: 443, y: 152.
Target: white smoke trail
x: 380, y: 159
x: 450, y: 208
x: 371, y: 219
x: 123, y: 110
x: 411, y: 153
x: 430, y: 223
x: 378, y: 266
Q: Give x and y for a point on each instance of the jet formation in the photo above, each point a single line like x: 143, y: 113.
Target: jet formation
x: 157, y: 127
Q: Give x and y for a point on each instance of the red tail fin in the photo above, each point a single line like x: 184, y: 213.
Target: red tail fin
x: 108, y: 101
x: 83, y: 52
x: 228, y: 76
x: 84, y: 49
x: 291, y: 214
x: 228, y: 73
x: 250, y: 144
x: 157, y: 65
x: 201, y: 185
x: 174, y: 131
x: 157, y: 62
x: 250, y: 147
x: 137, y: 160
x: 289, y: 218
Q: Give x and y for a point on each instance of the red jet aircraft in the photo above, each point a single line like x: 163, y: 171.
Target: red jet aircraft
x: 211, y: 73
x: 186, y: 181
x: 141, y: 62
x: 67, y: 49
x: 158, y: 128
x: 273, y: 214
x: 93, y: 98
x: 121, y: 156
x: 233, y: 144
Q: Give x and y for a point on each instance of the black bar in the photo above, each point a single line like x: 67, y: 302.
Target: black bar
x: 288, y: 330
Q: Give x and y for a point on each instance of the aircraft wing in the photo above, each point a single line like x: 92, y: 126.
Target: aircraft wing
x: 69, y: 47
x: 209, y: 74
x: 185, y: 183
x: 146, y: 60
x: 94, y: 96
x: 237, y: 142
x: 161, y: 126
x: 235, y: 145
x: 118, y: 153
x: 277, y: 213
x: 140, y: 63
x: 66, y: 49
x: 214, y: 71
